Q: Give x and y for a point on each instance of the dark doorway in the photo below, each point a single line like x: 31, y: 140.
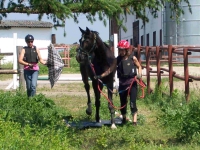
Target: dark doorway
x: 147, y: 39
x: 142, y: 41
x: 135, y: 33
x: 154, y: 38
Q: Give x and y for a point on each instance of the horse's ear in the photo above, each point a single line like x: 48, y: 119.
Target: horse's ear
x: 82, y: 31
x: 87, y: 30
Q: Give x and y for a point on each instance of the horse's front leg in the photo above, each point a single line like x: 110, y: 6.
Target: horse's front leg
x: 95, y: 85
x: 84, y: 75
x: 110, y: 105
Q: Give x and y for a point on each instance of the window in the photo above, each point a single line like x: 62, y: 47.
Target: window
x: 154, y: 38
x: 136, y: 37
x: 136, y: 16
x: 160, y: 36
x: 147, y: 39
x: 142, y: 40
x: 131, y: 41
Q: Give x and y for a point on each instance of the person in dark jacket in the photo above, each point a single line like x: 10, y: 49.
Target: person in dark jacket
x: 29, y: 57
x: 127, y: 66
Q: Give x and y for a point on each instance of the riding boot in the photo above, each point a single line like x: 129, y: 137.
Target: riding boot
x: 134, y: 123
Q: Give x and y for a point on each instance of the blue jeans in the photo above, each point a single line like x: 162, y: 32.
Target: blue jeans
x: 31, y: 77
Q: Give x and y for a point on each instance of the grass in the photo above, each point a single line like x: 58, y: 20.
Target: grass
x: 43, y: 69
x: 150, y: 134
x: 6, y: 76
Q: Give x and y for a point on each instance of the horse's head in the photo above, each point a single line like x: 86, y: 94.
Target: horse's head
x: 87, y: 46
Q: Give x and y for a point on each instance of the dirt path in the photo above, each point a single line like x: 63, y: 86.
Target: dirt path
x: 65, y: 86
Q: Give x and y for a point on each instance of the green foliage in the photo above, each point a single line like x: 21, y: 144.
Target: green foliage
x: 103, y: 8
x: 6, y: 66
x: 181, y: 118
x: 191, y: 122
x: 184, y: 119
x: 43, y: 69
x: 72, y: 53
x: 36, y: 123
x: 13, y: 136
x: 37, y: 111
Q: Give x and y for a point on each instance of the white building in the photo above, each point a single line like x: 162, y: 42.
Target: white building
x: 138, y: 33
x: 42, y: 32
x: 163, y: 30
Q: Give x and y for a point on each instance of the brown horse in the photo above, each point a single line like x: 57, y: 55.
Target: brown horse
x: 98, y: 63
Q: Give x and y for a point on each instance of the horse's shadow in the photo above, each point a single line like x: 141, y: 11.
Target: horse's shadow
x: 86, y: 122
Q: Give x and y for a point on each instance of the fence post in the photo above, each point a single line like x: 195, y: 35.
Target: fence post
x: 158, y: 65
x: 14, y: 60
x: 170, y: 69
x: 20, y: 70
x: 139, y: 54
x: 147, y: 69
x: 186, y: 74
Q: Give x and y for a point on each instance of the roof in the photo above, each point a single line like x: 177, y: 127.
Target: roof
x: 25, y: 23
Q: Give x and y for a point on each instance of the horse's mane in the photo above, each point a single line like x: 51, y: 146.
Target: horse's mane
x: 97, y: 33
x: 106, y: 55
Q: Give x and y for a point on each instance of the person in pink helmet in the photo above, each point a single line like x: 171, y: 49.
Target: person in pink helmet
x: 127, y: 68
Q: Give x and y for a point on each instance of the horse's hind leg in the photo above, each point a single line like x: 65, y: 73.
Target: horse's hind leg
x: 87, y: 89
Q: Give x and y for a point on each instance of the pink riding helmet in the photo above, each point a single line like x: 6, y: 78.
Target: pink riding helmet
x: 123, y: 44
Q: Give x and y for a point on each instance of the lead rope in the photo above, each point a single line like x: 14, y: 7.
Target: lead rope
x: 141, y: 83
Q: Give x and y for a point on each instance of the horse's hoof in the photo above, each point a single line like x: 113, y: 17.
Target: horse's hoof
x: 89, y: 109
x: 88, y: 112
x: 113, y: 126
x: 98, y: 120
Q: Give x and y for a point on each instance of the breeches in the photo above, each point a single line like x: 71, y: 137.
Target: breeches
x: 124, y: 97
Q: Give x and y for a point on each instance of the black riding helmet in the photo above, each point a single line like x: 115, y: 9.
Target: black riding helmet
x: 29, y: 38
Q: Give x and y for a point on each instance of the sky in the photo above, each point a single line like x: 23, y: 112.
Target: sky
x: 73, y: 33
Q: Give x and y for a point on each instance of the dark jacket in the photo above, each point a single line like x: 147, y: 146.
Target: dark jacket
x: 31, y: 55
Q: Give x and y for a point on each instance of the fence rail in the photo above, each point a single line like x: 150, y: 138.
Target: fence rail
x: 183, y: 52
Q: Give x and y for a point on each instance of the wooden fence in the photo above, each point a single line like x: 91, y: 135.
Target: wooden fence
x: 19, y: 70
x: 183, y: 52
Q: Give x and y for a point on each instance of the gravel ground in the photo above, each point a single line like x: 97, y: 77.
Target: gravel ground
x: 70, y: 78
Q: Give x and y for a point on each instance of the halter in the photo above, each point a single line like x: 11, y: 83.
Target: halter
x: 85, y: 52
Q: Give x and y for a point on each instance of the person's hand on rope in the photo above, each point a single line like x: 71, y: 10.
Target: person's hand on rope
x: 97, y: 77
x: 30, y: 65
x: 139, y: 76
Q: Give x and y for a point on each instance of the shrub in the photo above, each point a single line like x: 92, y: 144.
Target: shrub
x: 183, y: 119
x: 72, y: 51
x: 36, y: 111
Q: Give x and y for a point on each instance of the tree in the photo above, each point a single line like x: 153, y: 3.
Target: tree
x: 58, y: 10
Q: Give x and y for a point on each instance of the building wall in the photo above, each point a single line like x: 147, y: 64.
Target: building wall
x: 184, y: 33
x: 167, y: 31
x: 42, y: 38
x: 154, y: 25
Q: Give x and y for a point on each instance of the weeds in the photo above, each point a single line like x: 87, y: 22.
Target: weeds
x: 165, y: 123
